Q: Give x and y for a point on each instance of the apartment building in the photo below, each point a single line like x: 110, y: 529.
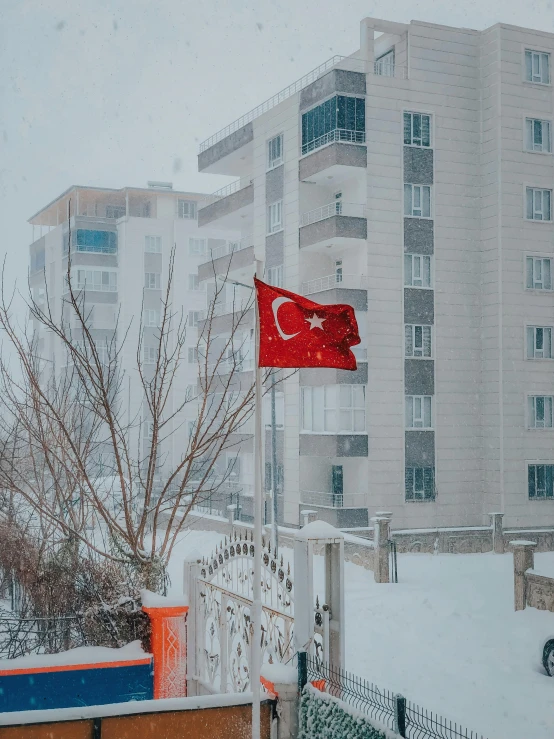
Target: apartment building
x: 413, y: 180
x: 121, y: 242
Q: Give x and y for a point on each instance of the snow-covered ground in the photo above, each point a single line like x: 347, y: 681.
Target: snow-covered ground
x: 446, y: 637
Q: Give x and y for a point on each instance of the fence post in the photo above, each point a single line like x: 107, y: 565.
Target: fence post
x: 192, y: 566
x: 523, y: 560
x: 497, y: 532
x: 400, y: 714
x: 381, y: 536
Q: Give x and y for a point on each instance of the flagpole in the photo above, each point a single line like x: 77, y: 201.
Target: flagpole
x: 258, y: 523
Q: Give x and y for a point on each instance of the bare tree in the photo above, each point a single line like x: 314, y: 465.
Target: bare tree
x: 56, y: 421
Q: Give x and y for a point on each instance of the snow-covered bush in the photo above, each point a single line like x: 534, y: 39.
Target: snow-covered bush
x: 324, y: 717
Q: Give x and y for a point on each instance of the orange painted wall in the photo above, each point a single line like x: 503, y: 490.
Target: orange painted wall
x: 229, y: 722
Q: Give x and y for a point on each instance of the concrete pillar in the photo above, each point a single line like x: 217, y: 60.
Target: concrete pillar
x: 523, y: 561
x: 231, y: 515
x: 497, y: 532
x: 169, y: 644
x: 308, y: 517
x: 191, y: 572
x: 282, y: 682
x: 381, y: 536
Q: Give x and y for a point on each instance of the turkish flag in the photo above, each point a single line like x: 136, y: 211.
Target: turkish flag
x: 296, y: 332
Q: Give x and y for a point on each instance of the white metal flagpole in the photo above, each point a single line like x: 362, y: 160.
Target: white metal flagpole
x: 258, y: 523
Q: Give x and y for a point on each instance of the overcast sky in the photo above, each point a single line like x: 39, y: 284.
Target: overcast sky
x: 113, y: 93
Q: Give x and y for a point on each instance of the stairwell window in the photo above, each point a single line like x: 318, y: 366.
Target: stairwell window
x: 538, y: 135
x: 540, y: 411
x: 333, y: 409
x: 152, y: 280
x: 194, y: 283
x: 538, y: 204
x: 417, y: 201
x: 417, y: 129
x: 150, y: 354
x: 420, y: 483
x: 539, y: 481
x: 275, y: 276
x: 197, y: 247
x: 417, y: 270
x: 186, y: 209
x: 275, y: 217
x: 539, y: 342
x: 537, y: 67
x: 152, y: 318
x: 417, y: 341
x: 418, y: 412
x: 539, y: 273
x: 193, y: 355
x: 194, y: 317
x: 275, y: 151
x: 153, y: 244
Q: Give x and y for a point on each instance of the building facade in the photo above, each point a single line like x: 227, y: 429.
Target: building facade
x: 121, y: 245
x: 412, y: 180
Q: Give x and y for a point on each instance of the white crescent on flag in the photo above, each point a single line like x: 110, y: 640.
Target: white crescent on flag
x: 275, y: 305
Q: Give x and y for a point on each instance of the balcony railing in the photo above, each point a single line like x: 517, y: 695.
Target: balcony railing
x: 347, y: 63
x: 224, y: 192
x: 224, y: 309
x: 337, y: 134
x: 224, y: 366
x: 329, y: 282
x: 333, y: 500
x: 337, y: 208
x: 229, y: 248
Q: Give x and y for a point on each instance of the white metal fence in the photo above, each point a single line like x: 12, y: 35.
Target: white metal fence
x: 329, y: 282
x: 337, y: 134
x: 336, y: 208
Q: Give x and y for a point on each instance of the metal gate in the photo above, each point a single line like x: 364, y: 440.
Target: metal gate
x: 224, y: 621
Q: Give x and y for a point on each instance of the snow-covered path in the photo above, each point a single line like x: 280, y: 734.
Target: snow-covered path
x: 446, y: 637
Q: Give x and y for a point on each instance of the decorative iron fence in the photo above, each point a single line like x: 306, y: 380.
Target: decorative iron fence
x: 390, y: 709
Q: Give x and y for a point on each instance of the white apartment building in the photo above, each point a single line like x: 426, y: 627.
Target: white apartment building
x: 121, y: 242
x: 412, y: 180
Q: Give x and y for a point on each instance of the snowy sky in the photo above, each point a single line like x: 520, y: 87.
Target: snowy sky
x: 113, y: 93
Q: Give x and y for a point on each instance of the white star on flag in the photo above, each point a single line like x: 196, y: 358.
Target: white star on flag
x: 315, y: 321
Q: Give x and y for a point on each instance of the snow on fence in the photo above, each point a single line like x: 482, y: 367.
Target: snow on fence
x: 383, y: 710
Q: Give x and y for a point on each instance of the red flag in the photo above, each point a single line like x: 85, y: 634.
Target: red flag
x: 296, y: 332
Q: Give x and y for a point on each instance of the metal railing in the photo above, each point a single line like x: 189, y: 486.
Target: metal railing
x: 225, y: 366
x: 337, y: 134
x: 384, y: 68
x: 224, y: 309
x: 295, y: 87
x: 229, y: 248
x: 332, y: 500
x: 329, y: 282
x: 390, y: 709
x: 337, y: 208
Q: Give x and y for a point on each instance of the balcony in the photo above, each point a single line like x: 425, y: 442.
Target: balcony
x: 342, y: 510
x: 232, y: 259
x: 227, y: 316
x: 333, y: 445
x: 331, y: 282
x: 336, y: 156
x: 229, y: 206
x: 337, y: 223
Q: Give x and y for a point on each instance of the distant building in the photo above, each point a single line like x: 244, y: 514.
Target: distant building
x: 413, y: 180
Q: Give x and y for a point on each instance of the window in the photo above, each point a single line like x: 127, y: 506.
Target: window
x: 275, y: 217
x: 275, y: 151
x: 38, y: 260
x: 153, y: 244
x: 340, y: 118
x: 384, y: 65
x: 418, y: 341
x: 275, y: 276
x: 537, y: 67
x: 115, y: 211
x: 540, y: 411
x: 539, y: 342
x: 194, y: 283
x: 96, y: 279
x: 190, y: 392
x: 417, y: 129
x: 418, y: 412
x: 538, y: 204
x: 417, y: 270
x: 417, y: 201
x: 539, y: 480
x: 152, y: 280
x: 420, y: 483
x: 193, y: 355
x: 537, y: 135
x: 338, y: 270
x: 186, y: 209
x: 149, y: 430
x: 152, y: 318
x: 150, y: 354
x: 103, y: 242
x: 333, y: 409
x: 197, y: 247
x: 539, y: 273
x: 194, y: 317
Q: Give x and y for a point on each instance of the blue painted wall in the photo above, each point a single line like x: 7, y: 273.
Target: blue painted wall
x: 80, y: 687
